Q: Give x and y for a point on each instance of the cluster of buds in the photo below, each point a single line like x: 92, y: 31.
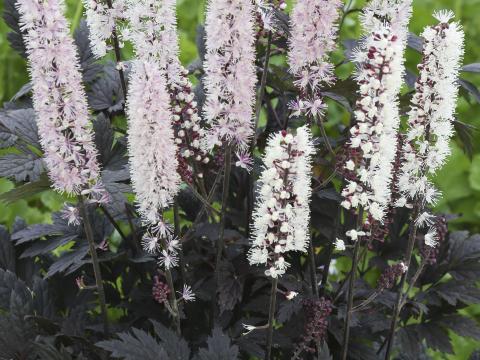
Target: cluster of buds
x: 282, y: 214
x: 379, y: 230
x: 390, y: 276
x: 317, y: 312
x: 160, y: 290
x: 188, y: 132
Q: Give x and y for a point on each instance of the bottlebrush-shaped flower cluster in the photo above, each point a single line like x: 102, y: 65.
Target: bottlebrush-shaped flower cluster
x: 372, y: 146
x: 59, y: 99
x: 153, y: 163
x: 101, y: 20
x: 282, y: 214
x: 152, y: 30
x: 317, y: 312
x: 430, y: 123
x: 230, y: 75
x: 313, y: 37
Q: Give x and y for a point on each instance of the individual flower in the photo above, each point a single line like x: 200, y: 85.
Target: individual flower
x: 354, y: 235
x: 290, y: 295
x: 150, y: 243
x: 340, y: 245
x: 430, y: 122
x: 101, y: 21
x: 373, y: 139
x: 80, y: 281
x: 230, y: 75
x: 440, y: 229
x: 187, y: 293
x: 282, y: 214
x: 152, y: 30
x: 313, y: 36
x: 103, y: 245
x: 71, y: 214
x: 244, y: 160
x: 431, y: 237
x: 248, y: 329
x: 168, y: 259
x: 152, y: 153
x: 59, y: 99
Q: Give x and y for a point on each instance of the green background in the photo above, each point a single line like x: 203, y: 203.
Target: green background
x: 459, y: 180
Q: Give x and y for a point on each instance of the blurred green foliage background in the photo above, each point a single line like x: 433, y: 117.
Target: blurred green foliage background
x: 459, y: 180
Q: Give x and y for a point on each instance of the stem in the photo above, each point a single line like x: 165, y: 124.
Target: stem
x: 261, y: 94
x: 131, y: 224
x: 226, y: 188
x: 96, y: 265
x: 314, y: 280
x: 326, y: 269
x: 407, y: 260
x: 413, y: 281
x: 338, y: 293
x: 261, y: 91
x: 325, y: 137
x: 313, y: 270
x: 114, y: 223
x: 204, y: 201
x: 177, y: 233
x: 324, y: 183
x: 366, y: 301
x: 203, y: 210
x: 346, y: 11
x: 173, y: 301
x: 351, y: 284
x: 118, y: 56
x: 271, y: 319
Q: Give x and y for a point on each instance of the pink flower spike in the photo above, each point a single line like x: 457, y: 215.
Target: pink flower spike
x: 152, y: 150
x: 59, y: 99
x: 314, y: 31
x: 230, y: 75
x: 152, y: 30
